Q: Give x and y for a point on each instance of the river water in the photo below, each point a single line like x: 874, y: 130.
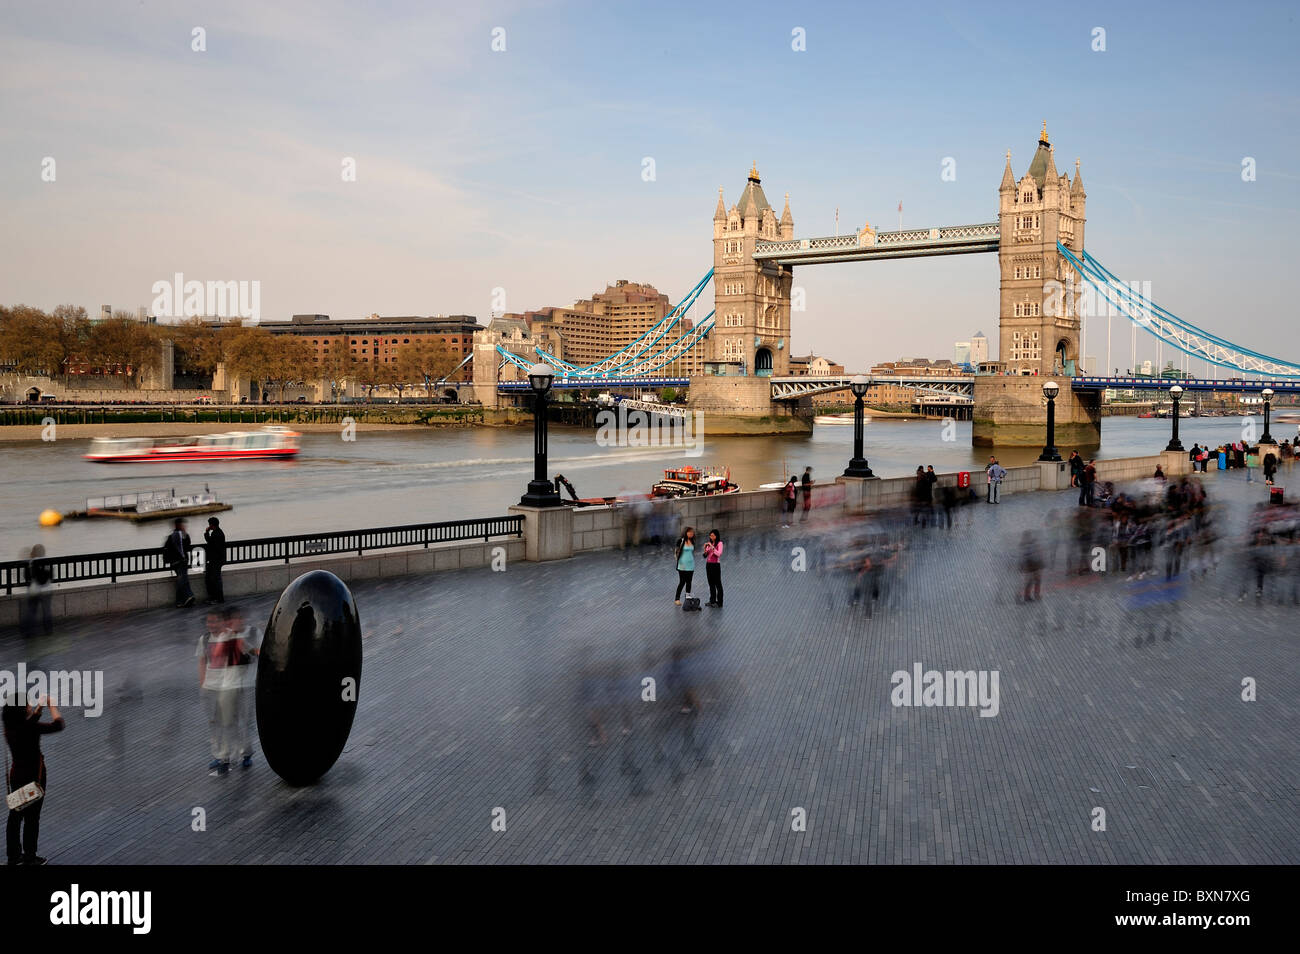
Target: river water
x: 386, y: 478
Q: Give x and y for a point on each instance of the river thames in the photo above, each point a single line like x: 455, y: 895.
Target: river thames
x: 386, y: 478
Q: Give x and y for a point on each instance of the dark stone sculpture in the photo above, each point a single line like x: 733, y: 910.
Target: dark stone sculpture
x: 308, y: 677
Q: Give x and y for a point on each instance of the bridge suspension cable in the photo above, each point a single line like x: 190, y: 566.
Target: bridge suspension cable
x: 1167, y: 327
x: 646, y: 353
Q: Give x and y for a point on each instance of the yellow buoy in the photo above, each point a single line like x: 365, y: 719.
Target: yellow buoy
x: 51, y: 518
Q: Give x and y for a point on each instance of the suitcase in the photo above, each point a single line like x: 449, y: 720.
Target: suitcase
x: 691, y: 604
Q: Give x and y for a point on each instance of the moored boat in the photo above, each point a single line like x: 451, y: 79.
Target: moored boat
x: 270, y: 443
x: 691, y: 481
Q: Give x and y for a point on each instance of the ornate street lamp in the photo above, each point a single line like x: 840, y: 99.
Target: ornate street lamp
x: 541, y: 492
x: 1175, y: 444
x: 1050, y: 390
x: 1266, y: 437
x: 858, y: 465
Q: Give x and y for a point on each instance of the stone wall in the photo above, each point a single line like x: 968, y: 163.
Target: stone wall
x: 152, y: 592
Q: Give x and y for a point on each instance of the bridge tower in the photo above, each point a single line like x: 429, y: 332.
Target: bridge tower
x: 751, y: 332
x: 1039, y: 314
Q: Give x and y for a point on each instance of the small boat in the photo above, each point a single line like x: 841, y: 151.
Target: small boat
x: 835, y: 419
x: 690, y: 481
x: 151, y: 505
x: 270, y: 443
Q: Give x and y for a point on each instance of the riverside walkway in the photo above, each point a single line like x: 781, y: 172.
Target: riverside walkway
x: 523, y: 691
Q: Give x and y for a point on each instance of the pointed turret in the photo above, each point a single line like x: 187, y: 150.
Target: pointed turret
x: 1042, y: 159
x: 752, y: 201
x: 720, y: 214
x: 1050, y: 174
x: 1008, y: 178
x: 1077, y: 188
x: 787, y: 220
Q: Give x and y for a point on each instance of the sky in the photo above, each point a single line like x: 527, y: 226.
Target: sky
x: 523, y: 169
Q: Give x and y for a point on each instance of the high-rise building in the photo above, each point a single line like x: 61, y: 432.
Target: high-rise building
x: 961, y: 352
x: 979, y: 348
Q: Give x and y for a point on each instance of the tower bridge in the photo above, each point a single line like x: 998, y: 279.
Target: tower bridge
x: 744, y: 343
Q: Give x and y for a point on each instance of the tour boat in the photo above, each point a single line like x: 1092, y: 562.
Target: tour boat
x: 269, y: 443
x: 690, y: 481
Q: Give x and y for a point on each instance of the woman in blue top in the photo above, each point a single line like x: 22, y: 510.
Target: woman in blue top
x: 685, y: 563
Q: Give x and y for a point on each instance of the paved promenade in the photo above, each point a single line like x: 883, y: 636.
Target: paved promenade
x: 522, y: 690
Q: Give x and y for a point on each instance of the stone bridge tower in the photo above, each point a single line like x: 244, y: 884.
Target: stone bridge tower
x: 751, y: 331
x: 1039, y: 311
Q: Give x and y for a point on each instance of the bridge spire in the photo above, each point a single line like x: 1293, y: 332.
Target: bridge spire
x: 1043, y: 136
x: 1077, y: 188
x: 720, y: 213
x: 1008, y: 178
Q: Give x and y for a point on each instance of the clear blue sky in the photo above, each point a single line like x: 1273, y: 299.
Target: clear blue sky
x: 522, y: 169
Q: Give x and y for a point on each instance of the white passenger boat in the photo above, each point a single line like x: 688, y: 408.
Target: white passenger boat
x: 270, y: 443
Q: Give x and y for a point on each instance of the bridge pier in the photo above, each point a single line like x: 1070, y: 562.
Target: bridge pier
x: 1010, y: 411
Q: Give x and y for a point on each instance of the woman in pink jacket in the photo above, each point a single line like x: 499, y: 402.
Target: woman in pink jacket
x: 713, y: 568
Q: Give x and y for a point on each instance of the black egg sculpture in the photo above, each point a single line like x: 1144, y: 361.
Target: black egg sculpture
x: 308, y: 677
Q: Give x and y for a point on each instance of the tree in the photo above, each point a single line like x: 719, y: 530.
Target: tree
x: 428, y: 360
x: 337, y: 367
x: 668, y: 395
x: 372, y: 374
x: 122, y: 342
x: 246, y: 351
x: 287, y: 359
x: 30, y: 341
x: 198, y: 346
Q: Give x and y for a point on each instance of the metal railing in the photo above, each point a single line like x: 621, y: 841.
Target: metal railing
x: 121, y: 563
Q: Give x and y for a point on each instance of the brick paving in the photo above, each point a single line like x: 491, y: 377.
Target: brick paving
x: 478, y: 691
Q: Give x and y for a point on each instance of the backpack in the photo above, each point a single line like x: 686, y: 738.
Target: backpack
x: 691, y: 604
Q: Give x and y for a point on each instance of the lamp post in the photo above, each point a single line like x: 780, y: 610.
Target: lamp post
x: 1266, y: 437
x: 1050, y: 453
x: 858, y: 465
x: 1175, y: 444
x: 541, y: 492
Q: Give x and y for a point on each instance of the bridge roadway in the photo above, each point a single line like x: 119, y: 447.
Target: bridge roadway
x: 476, y: 688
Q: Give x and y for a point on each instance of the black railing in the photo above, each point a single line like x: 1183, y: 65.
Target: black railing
x: 119, y: 563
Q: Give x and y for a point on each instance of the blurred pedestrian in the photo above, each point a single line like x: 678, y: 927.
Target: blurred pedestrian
x: 176, y: 552
x: 248, y: 647
x: 713, y: 567
x: 788, y: 498
x: 36, y: 601
x: 23, y: 730
x: 1031, y: 566
x: 807, y: 482
x: 1270, y: 468
x: 214, y: 559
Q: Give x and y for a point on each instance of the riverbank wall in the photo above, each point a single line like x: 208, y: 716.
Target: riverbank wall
x: 565, y: 532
